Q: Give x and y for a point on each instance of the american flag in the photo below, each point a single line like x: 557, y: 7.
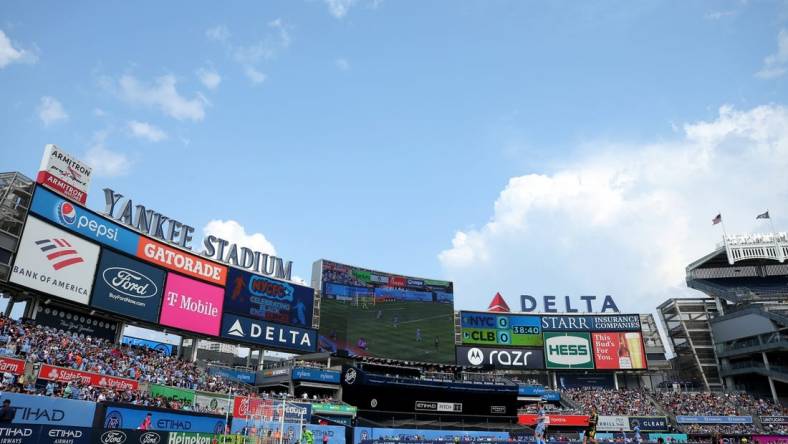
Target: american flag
x: 59, y: 252
x: 717, y: 219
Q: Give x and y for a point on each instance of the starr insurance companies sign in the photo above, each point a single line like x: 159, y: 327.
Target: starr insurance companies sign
x: 64, y: 174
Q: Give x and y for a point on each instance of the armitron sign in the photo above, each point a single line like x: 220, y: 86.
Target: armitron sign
x: 64, y: 174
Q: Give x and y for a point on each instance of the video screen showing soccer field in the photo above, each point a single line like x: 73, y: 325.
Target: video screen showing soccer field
x: 370, y: 313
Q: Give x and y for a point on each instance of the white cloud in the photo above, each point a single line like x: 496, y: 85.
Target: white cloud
x: 342, y: 64
x: 209, y: 77
x: 163, y: 95
x: 98, y: 112
x: 254, y: 75
x: 147, y: 131
x: 104, y: 161
x: 50, y: 111
x: 625, y: 219
x: 219, y: 33
x: 9, y: 54
x: 281, y: 28
x: 774, y: 65
x: 339, y: 8
x: 718, y: 15
x: 234, y: 232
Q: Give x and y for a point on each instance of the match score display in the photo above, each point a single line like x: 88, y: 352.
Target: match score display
x: 501, y: 329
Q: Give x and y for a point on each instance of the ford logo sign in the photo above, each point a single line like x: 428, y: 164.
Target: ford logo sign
x: 150, y: 438
x: 129, y: 282
x: 113, y: 437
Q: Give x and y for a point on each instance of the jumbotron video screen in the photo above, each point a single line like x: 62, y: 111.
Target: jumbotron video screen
x: 371, y: 313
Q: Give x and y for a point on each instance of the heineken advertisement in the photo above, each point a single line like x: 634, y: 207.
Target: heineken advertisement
x: 179, y: 394
x: 205, y: 438
x: 335, y: 409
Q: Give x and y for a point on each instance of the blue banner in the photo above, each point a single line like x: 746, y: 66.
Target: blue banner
x: 267, y: 299
x: 128, y: 287
x: 616, y: 322
x: 269, y: 334
x: 83, y: 221
x: 128, y: 418
x: 48, y: 410
x: 551, y: 395
x: 166, y: 349
x: 233, y: 374
x: 531, y: 390
x: 714, y: 419
x: 649, y: 423
x: 316, y: 375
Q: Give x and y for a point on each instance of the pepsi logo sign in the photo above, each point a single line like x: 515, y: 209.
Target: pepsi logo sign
x: 129, y: 282
x: 66, y: 213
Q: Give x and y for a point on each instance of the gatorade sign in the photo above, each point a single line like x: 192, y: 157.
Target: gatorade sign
x: 568, y: 350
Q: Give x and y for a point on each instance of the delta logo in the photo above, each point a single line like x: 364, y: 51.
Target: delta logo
x: 59, y: 253
x: 66, y: 213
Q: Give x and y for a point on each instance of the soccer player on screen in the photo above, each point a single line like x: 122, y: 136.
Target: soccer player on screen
x: 590, y: 435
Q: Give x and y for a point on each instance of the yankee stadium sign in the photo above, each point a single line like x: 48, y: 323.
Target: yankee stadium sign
x: 174, y: 232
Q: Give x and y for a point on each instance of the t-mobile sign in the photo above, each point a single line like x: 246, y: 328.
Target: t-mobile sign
x: 192, y: 305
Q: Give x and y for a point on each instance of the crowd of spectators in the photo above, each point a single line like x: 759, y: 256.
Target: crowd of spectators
x: 46, y: 345
x: 719, y: 429
x: 612, y: 402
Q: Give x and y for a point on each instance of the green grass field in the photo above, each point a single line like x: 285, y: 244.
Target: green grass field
x: 384, y: 339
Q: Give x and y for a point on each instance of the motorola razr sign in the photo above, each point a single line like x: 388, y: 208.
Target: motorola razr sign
x: 128, y: 287
x: 503, y: 357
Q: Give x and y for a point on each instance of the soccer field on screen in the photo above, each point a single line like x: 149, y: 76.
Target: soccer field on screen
x: 398, y: 330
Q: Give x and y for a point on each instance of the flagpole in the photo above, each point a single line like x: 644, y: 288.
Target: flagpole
x: 724, y: 233
x: 771, y: 223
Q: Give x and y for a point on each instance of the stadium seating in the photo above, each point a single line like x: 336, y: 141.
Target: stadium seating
x: 613, y: 402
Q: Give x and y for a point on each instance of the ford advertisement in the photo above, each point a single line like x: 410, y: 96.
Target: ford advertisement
x: 128, y: 287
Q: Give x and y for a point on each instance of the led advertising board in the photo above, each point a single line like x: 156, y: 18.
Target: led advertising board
x: 371, y: 313
x: 615, y: 351
x: 501, y: 357
x: 128, y: 287
x: 501, y: 329
x: 568, y: 350
x: 192, y: 305
x: 55, y: 262
x: 268, y: 299
x: 82, y: 221
x: 64, y: 173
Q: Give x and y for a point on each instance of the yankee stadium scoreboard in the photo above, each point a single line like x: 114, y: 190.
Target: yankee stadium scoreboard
x: 552, y: 341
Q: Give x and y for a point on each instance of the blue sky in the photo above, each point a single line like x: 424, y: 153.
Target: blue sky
x: 522, y: 147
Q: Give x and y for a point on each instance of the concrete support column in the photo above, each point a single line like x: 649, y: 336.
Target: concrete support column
x: 31, y: 310
x: 555, y: 381
x: 260, y: 360
x: 193, y: 354
x: 771, y: 381
x: 615, y: 379
x: 119, y: 333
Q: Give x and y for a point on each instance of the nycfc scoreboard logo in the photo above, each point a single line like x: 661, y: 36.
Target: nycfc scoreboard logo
x: 501, y: 357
